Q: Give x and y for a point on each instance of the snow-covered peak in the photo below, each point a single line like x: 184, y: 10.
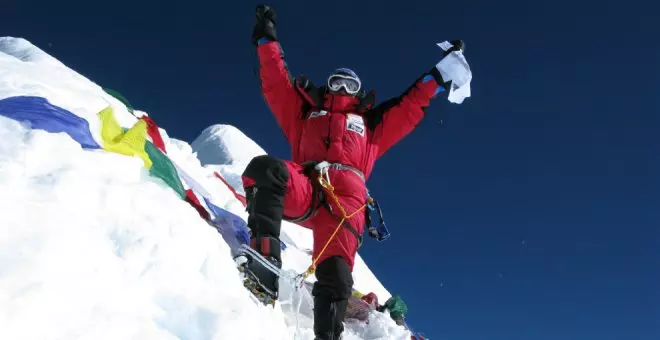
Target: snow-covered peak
x: 227, y: 150
x: 223, y: 144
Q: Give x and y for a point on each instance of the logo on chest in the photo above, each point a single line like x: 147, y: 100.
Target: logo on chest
x: 317, y: 114
x: 355, y: 123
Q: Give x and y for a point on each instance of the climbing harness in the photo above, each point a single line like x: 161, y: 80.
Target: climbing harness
x: 318, y: 195
x: 313, y: 170
x: 324, y: 181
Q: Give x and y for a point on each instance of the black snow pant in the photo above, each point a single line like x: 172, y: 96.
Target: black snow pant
x: 265, y: 180
x: 331, y: 292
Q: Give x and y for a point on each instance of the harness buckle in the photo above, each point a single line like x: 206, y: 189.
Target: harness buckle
x: 322, y: 168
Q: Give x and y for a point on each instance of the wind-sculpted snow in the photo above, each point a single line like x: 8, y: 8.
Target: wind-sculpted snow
x: 92, y: 247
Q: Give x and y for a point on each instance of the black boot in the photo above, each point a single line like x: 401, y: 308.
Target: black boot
x: 331, y: 292
x: 265, y: 206
x: 329, y: 318
x: 264, y: 280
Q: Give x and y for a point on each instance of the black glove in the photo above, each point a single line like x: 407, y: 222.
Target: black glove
x: 265, y: 25
x: 458, y: 45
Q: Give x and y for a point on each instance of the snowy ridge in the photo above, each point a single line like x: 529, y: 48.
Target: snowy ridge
x: 23, y: 50
x: 92, y: 246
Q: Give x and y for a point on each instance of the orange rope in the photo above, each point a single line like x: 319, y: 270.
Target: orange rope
x: 330, y: 190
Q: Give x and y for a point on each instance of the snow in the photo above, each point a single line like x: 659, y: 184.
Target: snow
x: 228, y: 150
x: 93, y: 247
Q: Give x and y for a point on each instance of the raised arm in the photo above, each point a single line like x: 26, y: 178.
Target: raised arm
x: 276, y: 82
x: 395, y: 118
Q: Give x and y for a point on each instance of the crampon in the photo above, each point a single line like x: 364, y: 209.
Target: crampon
x: 251, y: 282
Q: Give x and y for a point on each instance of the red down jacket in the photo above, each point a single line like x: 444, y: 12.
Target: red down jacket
x: 337, y: 129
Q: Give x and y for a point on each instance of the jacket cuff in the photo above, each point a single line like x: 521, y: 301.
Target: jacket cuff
x: 438, y: 81
x: 263, y: 40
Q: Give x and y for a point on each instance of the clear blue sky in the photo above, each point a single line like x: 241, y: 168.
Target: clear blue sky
x: 532, y: 213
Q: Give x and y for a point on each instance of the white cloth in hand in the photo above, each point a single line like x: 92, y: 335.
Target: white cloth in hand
x: 455, y: 68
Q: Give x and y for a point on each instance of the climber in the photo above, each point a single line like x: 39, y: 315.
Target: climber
x: 336, y: 134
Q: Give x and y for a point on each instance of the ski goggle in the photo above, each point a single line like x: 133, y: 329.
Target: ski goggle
x: 349, y: 83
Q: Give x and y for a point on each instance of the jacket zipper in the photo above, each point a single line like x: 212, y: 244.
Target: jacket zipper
x: 327, y: 138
